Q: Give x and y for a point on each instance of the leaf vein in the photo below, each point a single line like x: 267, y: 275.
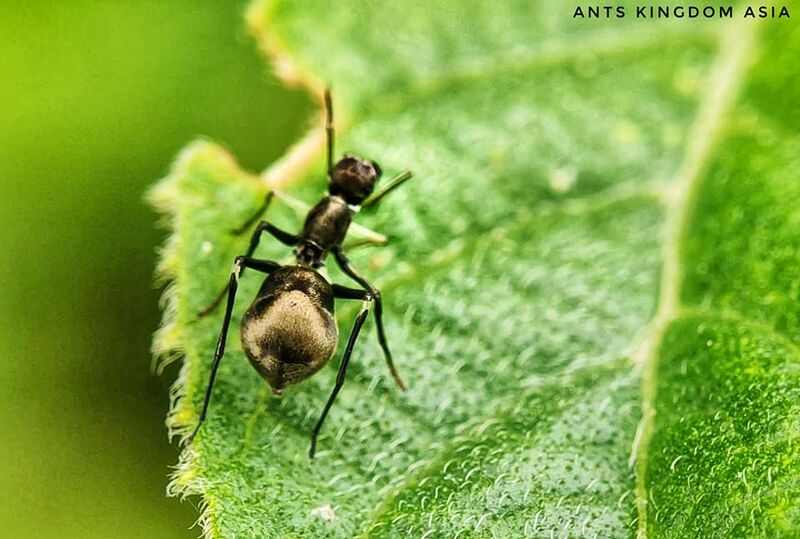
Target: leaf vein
x: 735, y: 52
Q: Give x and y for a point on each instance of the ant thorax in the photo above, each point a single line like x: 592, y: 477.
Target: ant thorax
x: 325, y: 227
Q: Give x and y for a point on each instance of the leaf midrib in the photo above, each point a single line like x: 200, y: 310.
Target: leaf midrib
x: 735, y: 50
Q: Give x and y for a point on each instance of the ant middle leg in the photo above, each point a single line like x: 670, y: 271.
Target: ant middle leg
x: 281, y: 235
x: 264, y: 266
x: 350, y: 271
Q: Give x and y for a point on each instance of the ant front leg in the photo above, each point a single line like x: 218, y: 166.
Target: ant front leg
x: 256, y: 216
x: 282, y: 236
x: 350, y: 271
x: 264, y: 266
x: 343, y: 292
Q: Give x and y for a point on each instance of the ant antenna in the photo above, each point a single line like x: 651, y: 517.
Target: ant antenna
x: 329, y: 128
x: 393, y: 183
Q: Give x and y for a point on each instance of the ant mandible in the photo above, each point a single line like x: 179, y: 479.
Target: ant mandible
x: 289, y: 331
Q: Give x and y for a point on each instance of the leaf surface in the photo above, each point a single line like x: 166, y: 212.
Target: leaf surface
x: 591, y: 284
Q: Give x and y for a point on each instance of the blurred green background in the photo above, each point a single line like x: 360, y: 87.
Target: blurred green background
x: 96, y: 99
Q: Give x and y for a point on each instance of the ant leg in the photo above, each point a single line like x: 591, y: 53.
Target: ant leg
x: 329, y: 128
x: 256, y: 216
x: 351, y: 272
x: 347, y: 293
x: 281, y: 235
x: 395, y: 182
x: 265, y: 266
x: 284, y: 237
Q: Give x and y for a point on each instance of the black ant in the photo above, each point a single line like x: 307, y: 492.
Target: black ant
x: 289, y: 331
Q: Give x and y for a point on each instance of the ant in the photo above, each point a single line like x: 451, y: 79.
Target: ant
x: 289, y: 331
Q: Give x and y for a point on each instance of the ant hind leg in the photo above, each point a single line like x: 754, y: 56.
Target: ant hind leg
x: 342, y: 292
x: 264, y: 266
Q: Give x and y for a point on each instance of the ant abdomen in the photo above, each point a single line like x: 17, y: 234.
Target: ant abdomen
x: 289, y: 331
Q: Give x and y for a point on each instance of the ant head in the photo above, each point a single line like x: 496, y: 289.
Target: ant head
x: 353, y: 178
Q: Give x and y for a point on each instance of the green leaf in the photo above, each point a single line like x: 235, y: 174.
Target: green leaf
x: 591, y: 284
